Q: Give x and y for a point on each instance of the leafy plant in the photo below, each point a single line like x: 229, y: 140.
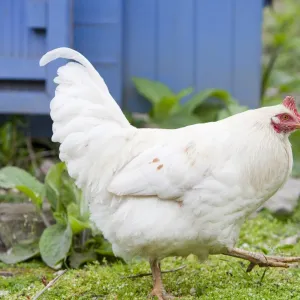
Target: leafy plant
x: 169, y: 111
x: 70, y: 239
x: 280, y: 60
x: 18, y: 149
x: 281, y: 52
x: 13, y: 144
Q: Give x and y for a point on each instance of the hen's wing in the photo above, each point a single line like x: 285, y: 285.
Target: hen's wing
x: 165, y: 171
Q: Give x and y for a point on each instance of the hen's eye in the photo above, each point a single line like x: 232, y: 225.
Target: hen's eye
x: 285, y: 117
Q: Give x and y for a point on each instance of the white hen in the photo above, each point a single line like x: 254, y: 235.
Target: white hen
x: 156, y: 193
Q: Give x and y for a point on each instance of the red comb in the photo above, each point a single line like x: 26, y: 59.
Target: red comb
x: 290, y: 103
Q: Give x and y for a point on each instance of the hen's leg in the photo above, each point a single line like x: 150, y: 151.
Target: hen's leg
x: 158, y: 288
x: 262, y: 260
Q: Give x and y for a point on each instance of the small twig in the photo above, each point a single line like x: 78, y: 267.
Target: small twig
x: 83, y: 237
x: 50, y: 284
x: 44, y: 280
x: 263, y: 276
x: 232, y: 265
x: 32, y: 156
x: 150, y: 274
x: 250, y: 267
x: 268, y: 70
x: 40, y: 154
x: 44, y: 219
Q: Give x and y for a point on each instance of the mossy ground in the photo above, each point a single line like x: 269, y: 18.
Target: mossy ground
x: 219, y: 278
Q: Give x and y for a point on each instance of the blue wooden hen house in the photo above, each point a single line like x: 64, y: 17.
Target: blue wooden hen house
x: 198, y: 43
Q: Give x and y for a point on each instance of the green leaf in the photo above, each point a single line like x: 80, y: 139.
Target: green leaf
x: 292, y: 44
x: 279, y: 39
x: 296, y: 169
x: 191, y: 112
x: 199, y: 98
x: 77, y: 259
x: 105, y: 249
x: 78, y: 225
x: 231, y: 110
x: 178, y: 120
x: 53, y: 184
x: 285, y: 247
x: 290, y: 87
x: 66, y: 199
x: 269, y: 101
x: 61, y: 189
x: 73, y: 210
x: 185, y: 92
x: 208, y: 111
x: 280, y: 77
x: 55, y: 244
x: 13, y: 177
x: 162, y: 109
x: 77, y: 222
x: 154, y: 91
x: 295, y: 141
x: 284, y: 82
x: 36, y: 199
x: 60, y: 217
x: 21, y: 252
x: 68, y: 191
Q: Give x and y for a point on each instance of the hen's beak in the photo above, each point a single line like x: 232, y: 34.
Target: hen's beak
x: 297, y: 126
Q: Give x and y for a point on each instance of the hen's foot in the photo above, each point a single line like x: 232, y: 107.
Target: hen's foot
x: 261, y: 260
x: 158, y: 288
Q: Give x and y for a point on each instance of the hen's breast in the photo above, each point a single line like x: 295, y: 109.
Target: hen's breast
x: 268, y: 168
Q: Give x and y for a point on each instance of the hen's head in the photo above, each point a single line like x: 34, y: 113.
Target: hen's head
x: 287, y: 119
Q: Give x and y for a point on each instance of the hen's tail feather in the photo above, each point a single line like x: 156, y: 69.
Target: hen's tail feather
x: 86, y: 119
x: 68, y: 53
x: 82, y: 73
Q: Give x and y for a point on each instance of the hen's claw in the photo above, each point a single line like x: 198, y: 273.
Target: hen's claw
x: 161, y: 295
x: 261, y: 260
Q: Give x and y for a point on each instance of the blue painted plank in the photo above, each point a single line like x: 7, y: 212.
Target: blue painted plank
x: 16, y: 28
x: 99, y: 38
x: 175, y: 43
x: 247, y: 52
x: 59, y: 34
x: 101, y: 43
x: 21, y: 21
x: 6, y: 32
x: 213, y: 34
x: 140, y: 49
x: 19, y: 68
x: 36, y: 14
x: 97, y: 12
x: 36, y: 43
x: 24, y: 102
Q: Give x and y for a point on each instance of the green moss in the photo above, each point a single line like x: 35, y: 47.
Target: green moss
x: 220, y: 277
